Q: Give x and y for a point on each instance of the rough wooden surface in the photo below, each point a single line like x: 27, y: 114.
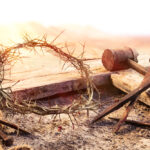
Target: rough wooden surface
x: 56, y: 84
x: 36, y: 82
x: 40, y: 79
x: 127, y: 81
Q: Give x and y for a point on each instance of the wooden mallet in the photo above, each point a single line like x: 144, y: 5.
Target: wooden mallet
x: 114, y: 60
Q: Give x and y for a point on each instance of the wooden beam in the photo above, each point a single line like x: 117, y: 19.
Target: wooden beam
x: 48, y: 85
x: 127, y: 81
x: 46, y: 79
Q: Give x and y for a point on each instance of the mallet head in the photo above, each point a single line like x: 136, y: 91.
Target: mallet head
x: 114, y: 60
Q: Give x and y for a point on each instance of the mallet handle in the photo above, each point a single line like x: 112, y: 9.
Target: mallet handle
x: 142, y: 70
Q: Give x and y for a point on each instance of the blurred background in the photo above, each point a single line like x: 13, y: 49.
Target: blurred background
x: 100, y: 24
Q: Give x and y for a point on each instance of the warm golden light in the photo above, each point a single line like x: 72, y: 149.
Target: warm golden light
x: 117, y: 16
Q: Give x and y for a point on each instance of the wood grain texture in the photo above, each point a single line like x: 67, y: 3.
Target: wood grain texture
x: 46, y: 85
x: 127, y: 81
x: 45, y: 78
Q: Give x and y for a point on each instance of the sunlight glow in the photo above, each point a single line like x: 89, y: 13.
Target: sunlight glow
x: 112, y: 16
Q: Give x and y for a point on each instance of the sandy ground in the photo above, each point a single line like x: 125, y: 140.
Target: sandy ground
x: 46, y: 133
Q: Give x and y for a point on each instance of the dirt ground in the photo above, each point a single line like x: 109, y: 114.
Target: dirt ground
x: 60, y: 134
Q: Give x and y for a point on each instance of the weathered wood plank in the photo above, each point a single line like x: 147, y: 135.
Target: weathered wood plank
x: 42, y: 76
x: 46, y: 79
x: 127, y: 81
x: 48, y: 85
